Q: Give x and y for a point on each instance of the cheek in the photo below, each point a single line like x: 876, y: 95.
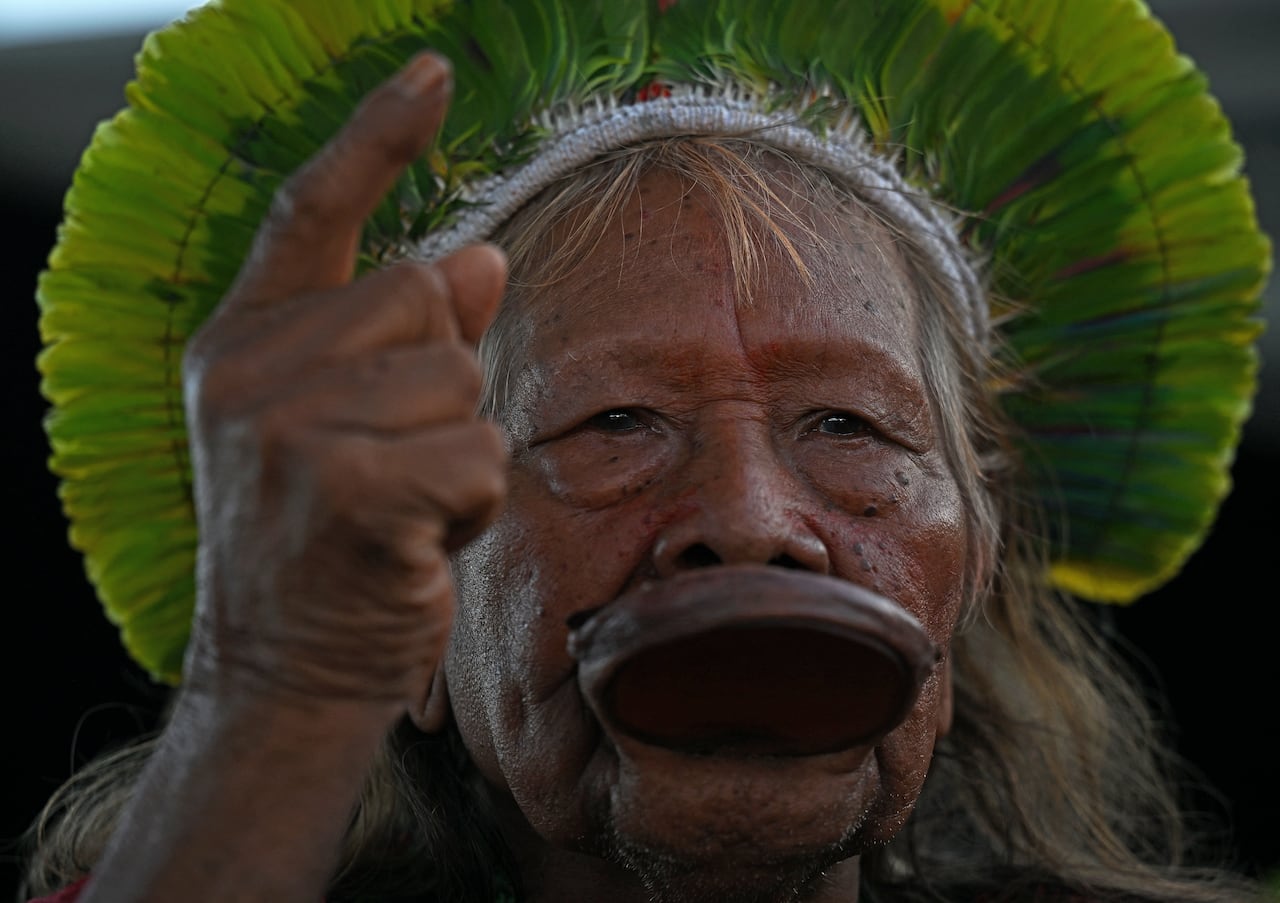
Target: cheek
x: 482, y: 683
x: 902, y: 533
x: 904, y: 757
x: 913, y: 552
x: 518, y: 586
x: 505, y: 621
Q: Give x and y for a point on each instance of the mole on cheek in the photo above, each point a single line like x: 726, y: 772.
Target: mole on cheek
x: 631, y: 489
x: 882, y: 504
x: 872, y: 579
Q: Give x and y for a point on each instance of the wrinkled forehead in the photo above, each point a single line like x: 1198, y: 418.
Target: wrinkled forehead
x: 773, y: 228
x: 780, y: 233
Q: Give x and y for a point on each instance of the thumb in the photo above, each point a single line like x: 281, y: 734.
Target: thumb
x: 477, y: 279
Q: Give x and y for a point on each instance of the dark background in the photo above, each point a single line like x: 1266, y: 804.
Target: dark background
x: 1207, y: 641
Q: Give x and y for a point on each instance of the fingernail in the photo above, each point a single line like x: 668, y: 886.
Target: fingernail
x: 422, y: 76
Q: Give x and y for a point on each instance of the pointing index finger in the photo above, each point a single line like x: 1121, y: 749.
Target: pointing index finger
x: 310, y: 238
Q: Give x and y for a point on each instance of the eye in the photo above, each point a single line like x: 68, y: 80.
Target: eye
x: 618, y: 420
x: 841, y: 423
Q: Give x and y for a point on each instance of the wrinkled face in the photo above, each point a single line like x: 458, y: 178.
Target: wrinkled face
x: 660, y: 422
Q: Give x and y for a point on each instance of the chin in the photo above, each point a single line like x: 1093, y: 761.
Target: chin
x: 734, y: 828
x: 730, y: 876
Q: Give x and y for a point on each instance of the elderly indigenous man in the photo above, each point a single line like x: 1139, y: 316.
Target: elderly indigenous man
x: 712, y: 534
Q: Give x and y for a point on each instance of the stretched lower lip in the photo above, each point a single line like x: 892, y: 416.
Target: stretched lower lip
x: 752, y: 660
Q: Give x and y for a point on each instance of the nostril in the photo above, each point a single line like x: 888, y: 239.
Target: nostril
x: 698, y: 555
x: 786, y: 561
x: 578, y: 618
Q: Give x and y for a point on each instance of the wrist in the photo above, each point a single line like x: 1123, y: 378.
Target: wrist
x: 247, y: 797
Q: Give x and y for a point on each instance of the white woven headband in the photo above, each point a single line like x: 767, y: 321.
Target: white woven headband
x: 577, y: 137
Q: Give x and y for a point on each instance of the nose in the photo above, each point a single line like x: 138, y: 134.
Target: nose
x: 740, y: 504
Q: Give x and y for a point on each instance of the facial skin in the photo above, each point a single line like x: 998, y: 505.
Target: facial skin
x: 660, y: 422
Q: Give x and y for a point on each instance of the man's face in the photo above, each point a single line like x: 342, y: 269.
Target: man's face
x: 659, y: 422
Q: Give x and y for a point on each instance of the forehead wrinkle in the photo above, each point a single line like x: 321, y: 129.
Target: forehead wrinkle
x: 746, y: 369
x: 710, y: 236
x: 840, y: 265
x: 638, y: 356
x: 639, y: 280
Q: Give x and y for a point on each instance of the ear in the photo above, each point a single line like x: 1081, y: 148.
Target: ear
x: 433, y: 713
x: 946, y: 699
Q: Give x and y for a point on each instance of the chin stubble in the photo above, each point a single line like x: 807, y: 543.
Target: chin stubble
x: 669, y: 877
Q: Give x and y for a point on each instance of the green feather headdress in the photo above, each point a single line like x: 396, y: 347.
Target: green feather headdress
x: 1092, y: 171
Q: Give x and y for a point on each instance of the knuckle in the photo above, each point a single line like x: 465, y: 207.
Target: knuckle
x: 346, y: 469
x: 421, y: 294
x: 206, y: 389
x: 492, y: 490
x: 471, y: 472
x: 463, y: 369
x: 419, y: 279
x: 202, y: 350
x: 417, y: 547
x: 274, y: 442
x: 394, y: 535
x: 214, y: 380
x: 276, y: 429
x: 299, y: 203
x: 493, y: 442
x: 486, y: 471
x: 283, y: 204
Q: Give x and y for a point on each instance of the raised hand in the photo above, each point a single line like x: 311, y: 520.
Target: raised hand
x: 336, y: 452
x: 337, y: 460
